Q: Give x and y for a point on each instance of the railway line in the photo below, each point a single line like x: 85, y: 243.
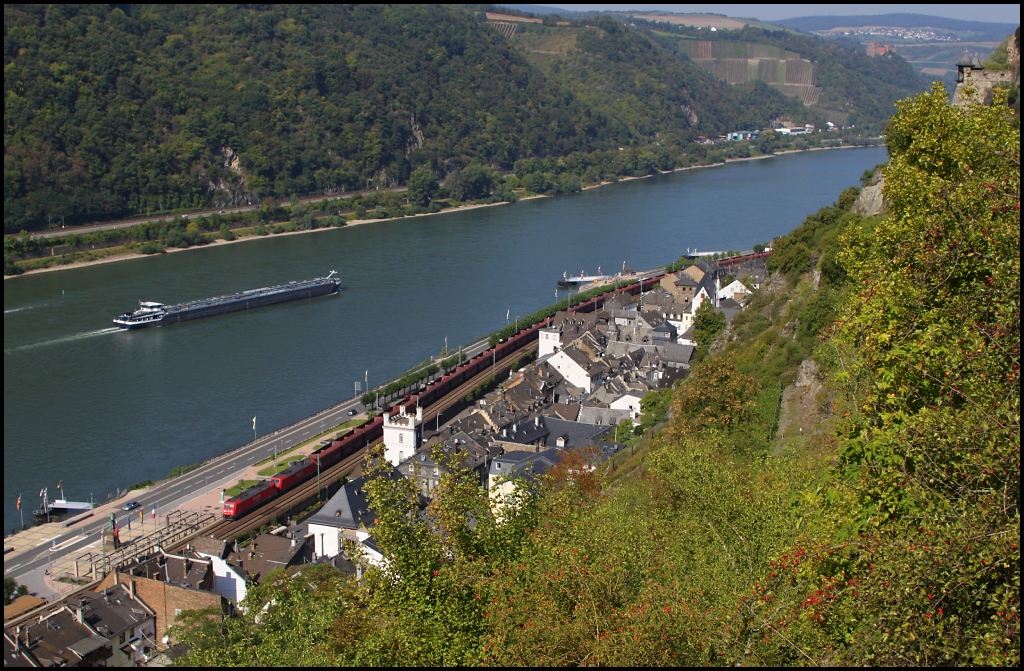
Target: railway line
x: 281, y: 506
x: 250, y: 513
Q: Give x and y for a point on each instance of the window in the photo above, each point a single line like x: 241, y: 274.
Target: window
x: 401, y: 437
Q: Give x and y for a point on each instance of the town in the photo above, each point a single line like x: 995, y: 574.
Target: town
x: 581, y: 395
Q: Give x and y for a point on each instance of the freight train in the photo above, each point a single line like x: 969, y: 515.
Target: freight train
x: 347, y: 445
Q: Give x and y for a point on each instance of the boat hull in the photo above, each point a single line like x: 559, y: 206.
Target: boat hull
x: 246, y: 300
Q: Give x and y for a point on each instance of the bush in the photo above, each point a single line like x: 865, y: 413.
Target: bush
x: 150, y: 247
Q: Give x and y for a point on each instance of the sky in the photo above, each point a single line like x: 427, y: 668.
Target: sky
x: 771, y: 12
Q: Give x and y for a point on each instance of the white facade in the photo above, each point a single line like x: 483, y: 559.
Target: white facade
x: 701, y: 296
x: 327, y: 539
x: 629, y: 402
x: 226, y: 581
x: 402, y: 435
x: 731, y: 291
x: 550, y: 342
x: 570, y: 370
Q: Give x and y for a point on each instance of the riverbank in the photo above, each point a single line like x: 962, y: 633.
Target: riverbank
x: 247, y: 238
x: 359, y: 222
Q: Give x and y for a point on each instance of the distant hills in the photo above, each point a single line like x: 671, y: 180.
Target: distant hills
x: 121, y: 110
x: 984, y: 31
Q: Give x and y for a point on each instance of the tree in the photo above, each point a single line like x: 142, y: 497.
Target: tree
x: 929, y: 352
x: 422, y: 187
x: 707, y: 325
x: 471, y: 183
x: 12, y: 590
x: 768, y: 142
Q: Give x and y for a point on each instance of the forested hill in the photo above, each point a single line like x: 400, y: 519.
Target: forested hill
x: 114, y: 111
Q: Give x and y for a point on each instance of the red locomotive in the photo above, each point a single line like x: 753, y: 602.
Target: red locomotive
x: 256, y: 495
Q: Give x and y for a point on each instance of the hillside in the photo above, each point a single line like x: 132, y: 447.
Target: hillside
x: 119, y: 111
x: 883, y: 530
x: 630, y: 77
x: 167, y: 107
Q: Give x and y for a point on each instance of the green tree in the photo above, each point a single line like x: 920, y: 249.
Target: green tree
x: 708, y: 324
x: 928, y: 350
x: 422, y: 187
x: 311, y: 618
x: 767, y: 142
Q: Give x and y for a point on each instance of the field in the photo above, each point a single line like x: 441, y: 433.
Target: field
x: 549, y: 41
x: 696, y: 20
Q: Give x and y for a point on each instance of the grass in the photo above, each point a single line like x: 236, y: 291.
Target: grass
x: 240, y: 487
x: 281, y: 465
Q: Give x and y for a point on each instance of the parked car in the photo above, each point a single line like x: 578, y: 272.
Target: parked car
x: 351, y: 411
x: 131, y: 505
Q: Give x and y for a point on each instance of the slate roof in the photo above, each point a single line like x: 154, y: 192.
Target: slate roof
x: 60, y: 640
x: 523, y: 464
x: 566, y: 411
x: 269, y: 552
x: 210, y: 545
x: 547, y: 429
x: 603, y: 417
x: 174, y: 569
x: 348, y: 508
x: 111, y: 611
x: 685, y: 281
x: 675, y: 353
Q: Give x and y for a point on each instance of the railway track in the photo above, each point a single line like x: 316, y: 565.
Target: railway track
x: 281, y: 506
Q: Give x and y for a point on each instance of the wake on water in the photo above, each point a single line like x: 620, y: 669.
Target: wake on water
x: 70, y: 338
x: 22, y: 308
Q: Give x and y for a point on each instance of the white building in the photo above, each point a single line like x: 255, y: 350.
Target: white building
x: 577, y: 368
x: 402, y: 435
x: 630, y: 402
x: 735, y: 290
x: 550, y: 342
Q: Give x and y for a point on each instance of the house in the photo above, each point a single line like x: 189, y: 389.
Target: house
x: 347, y: 514
x: 578, y: 368
x: 170, y: 584
x: 738, y: 135
x: 57, y: 638
x: 116, y: 614
x: 426, y: 466
x: 546, y: 431
x: 664, y: 332
x: 269, y: 552
x: 735, y: 290
x: 571, y: 325
x: 629, y: 402
x: 510, y: 466
x: 621, y: 308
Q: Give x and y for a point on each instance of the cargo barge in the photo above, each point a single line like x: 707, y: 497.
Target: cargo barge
x: 155, y: 314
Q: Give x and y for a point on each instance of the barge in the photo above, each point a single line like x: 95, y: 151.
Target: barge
x: 156, y: 314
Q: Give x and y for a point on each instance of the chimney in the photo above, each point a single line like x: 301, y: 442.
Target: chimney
x: 536, y: 421
x: 419, y: 414
x: 131, y: 588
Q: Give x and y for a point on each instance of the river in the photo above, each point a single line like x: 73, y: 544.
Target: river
x: 96, y: 408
